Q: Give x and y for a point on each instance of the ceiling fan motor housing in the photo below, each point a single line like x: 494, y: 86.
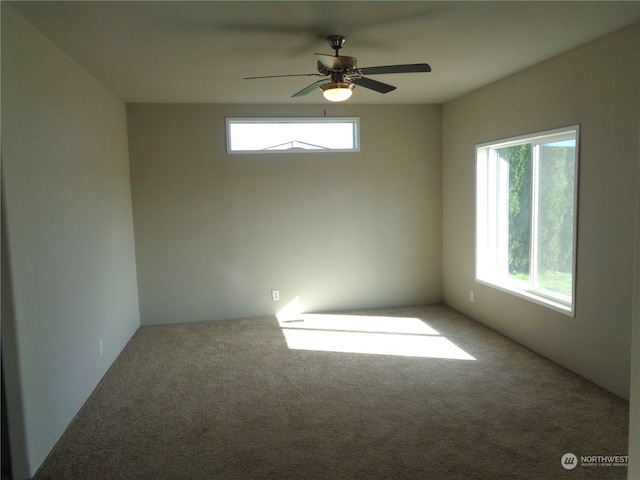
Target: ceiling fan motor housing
x: 328, y: 64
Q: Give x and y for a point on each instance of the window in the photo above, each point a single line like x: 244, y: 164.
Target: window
x: 296, y: 134
x: 526, y: 194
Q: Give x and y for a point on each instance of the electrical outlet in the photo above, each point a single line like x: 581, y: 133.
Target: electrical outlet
x: 100, y: 347
x: 471, y: 297
x: 275, y: 295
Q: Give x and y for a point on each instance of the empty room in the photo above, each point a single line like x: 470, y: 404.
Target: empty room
x: 324, y: 240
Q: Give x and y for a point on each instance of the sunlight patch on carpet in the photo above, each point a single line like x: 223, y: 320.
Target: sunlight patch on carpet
x: 374, y: 343
x: 366, y: 334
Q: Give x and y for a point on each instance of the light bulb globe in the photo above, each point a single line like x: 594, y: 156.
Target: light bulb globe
x: 337, y: 92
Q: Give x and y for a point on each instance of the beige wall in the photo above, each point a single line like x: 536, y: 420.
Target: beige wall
x: 634, y: 414
x: 595, y: 86
x: 69, y: 275
x: 215, y: 233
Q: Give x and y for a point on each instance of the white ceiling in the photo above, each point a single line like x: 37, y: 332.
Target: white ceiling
x: 180, y: 51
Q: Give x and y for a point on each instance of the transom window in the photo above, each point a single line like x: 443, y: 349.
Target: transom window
x: 292, y: 134
x: 526, y: 194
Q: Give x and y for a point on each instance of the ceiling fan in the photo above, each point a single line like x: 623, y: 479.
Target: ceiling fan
x: 341, y: 74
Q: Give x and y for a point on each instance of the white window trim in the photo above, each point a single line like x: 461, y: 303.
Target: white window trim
x: 487, y: 244
x: 353, y: 120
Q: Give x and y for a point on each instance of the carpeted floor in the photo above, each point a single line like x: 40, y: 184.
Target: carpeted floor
x: 243, y: 399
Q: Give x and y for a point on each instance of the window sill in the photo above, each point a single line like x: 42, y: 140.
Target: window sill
x: 535, y: 297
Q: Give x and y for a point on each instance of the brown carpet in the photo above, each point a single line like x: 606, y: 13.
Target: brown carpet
x: 230, y: 400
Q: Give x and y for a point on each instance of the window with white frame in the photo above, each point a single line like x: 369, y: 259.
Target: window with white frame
x: 526, y: 212
x: 260, y: 135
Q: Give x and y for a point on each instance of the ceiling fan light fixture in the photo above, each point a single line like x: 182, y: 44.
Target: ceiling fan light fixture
x: 337, y: 91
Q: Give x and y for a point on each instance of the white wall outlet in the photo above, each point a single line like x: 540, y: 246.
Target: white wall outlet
x: 100, y: 347
x: 275, y: 295
x: 471, y: 297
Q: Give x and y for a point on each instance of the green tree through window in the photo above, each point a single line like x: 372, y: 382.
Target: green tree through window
x: 555, y: 217
x: 555, y: 213
x: 519, y: 159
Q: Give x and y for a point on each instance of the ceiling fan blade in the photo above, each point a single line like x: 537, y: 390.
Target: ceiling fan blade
x: 373, y: 84
x: 311, y: 88
x: 292, y: 75
x: 411, y: 68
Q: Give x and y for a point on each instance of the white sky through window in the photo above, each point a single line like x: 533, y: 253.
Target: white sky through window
x: 257, y: 135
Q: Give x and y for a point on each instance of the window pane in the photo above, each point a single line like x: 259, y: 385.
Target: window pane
x: 555, y: 217
x: 518, y: 158
x: 263, y: 135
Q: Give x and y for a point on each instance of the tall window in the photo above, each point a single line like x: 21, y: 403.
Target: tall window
x: 526, y: 190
